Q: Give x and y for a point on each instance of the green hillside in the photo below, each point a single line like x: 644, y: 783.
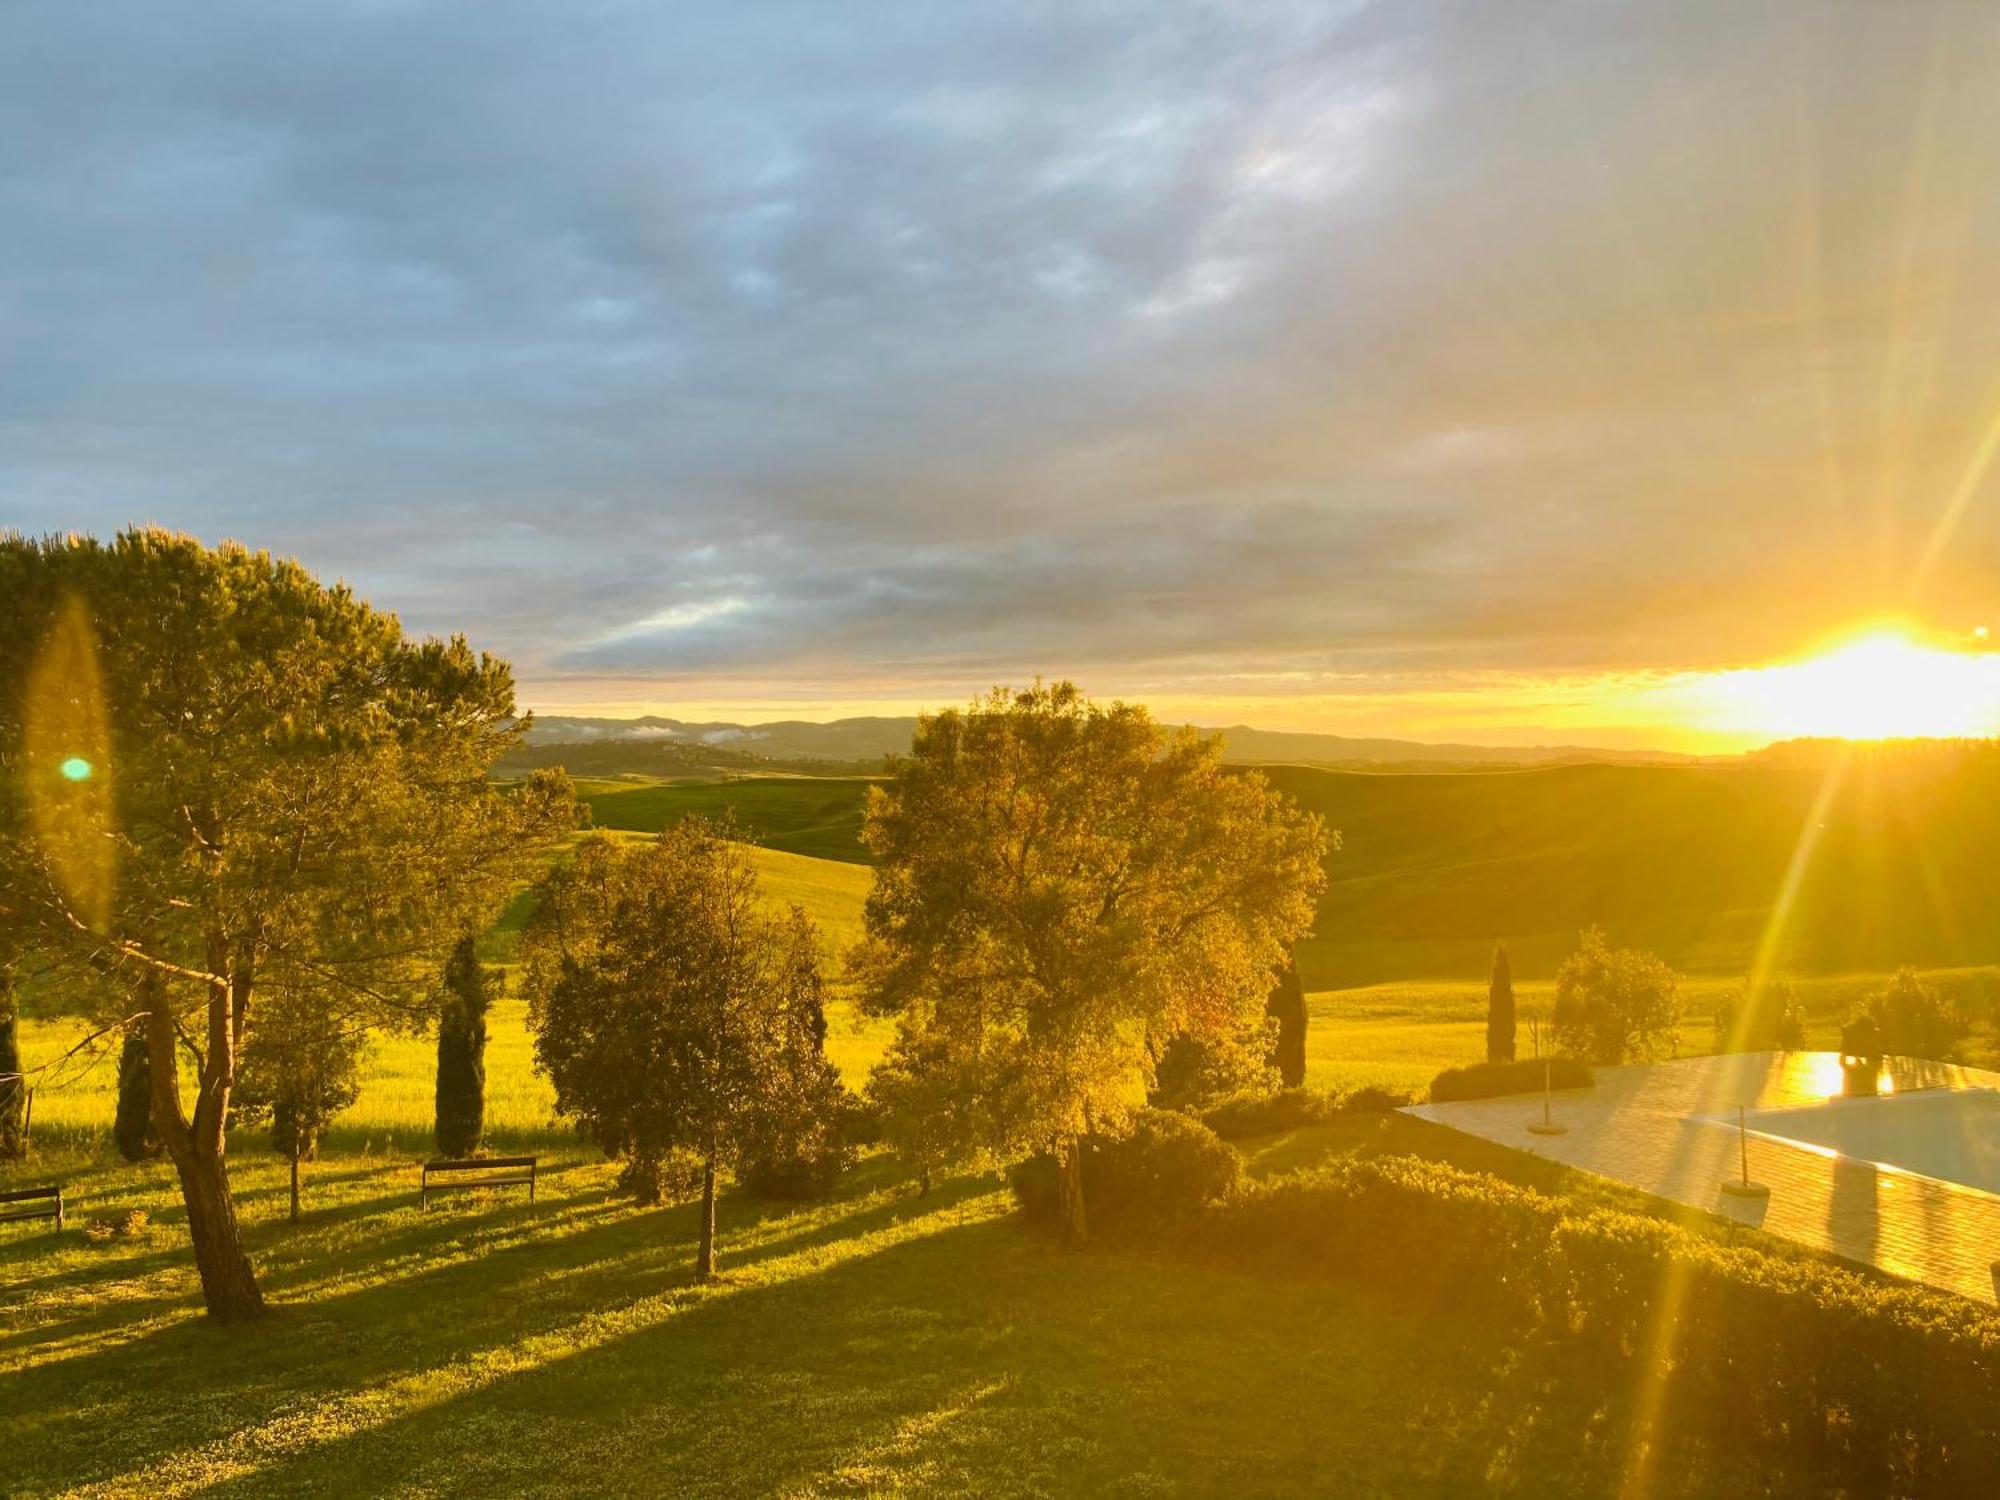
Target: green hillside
x: 815, y: 815
x: 1687, y: 860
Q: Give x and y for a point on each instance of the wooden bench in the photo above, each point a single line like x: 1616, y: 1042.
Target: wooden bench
x: 512, y: 1170
x: 42, y: 1203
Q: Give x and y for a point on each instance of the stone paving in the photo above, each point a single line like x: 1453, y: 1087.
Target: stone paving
x: 1670, y: 1129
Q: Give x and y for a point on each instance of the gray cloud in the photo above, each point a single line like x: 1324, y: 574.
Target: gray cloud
x: 904, y: 346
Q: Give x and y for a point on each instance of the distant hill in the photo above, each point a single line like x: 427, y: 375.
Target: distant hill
x: 1687, y: 860
x: 657, y: 746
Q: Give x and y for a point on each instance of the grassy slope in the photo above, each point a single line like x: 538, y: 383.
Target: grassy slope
x: 819, y: 816
x: 877, y: 1344
x: 1687, y: 861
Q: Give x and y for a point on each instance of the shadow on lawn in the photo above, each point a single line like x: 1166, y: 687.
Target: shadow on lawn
x: 432, y: 1291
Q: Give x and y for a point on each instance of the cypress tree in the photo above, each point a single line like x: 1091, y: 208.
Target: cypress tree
x: 13, y: 1086
x: 1288, y: 1005
x: 1500, y: 1009
x: 132, y: 1126
x: 461, y: 1066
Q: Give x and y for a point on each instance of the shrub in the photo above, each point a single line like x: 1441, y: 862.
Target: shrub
x: 804, y: 1152
x: 105, y: 1229
x: 1169, y: 1167
x: 1490, y: 1080
x: 1775, y: 1023
x: 1253, y: 1114
x: 1868, y: 1387
x: 1614, y: 1004
x: 1372, y: 1101
x: 1195, y: 1071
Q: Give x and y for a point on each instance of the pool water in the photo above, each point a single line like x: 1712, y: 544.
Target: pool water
x: 1950, y: 1134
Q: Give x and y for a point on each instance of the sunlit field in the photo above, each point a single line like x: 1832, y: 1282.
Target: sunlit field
x: 879, y: 1343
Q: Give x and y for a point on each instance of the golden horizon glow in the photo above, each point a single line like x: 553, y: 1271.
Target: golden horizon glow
x: 1886, y: 680
x: 1881, y: 684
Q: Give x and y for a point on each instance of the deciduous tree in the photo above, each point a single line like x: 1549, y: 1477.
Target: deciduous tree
x: 301, y: 1067
x: 218, y: 770
x: 1059, y: 886
x: 670, y: 1012
x: 1614, y: 1004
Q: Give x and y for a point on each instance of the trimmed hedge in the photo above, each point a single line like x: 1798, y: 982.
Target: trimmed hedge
x: 1246, y: 1116
x: 1490, y: 1080
x: 1861, y: 1385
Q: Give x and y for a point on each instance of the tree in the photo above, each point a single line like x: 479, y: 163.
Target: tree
x: 132, y: 1124
x: 1061, y: 885
x: 1612, y: 1005
x: 1914, y: 1021
x: 461, y: 1050
x: 13, y: 1077
x: 925, y: 1103
x: 670, y: 1013
x: 300, y: 1068
x: 1763, y: 1019
x: 1500, y: 1009
x: 1195, y: 1071
x: 217, y: 770
x: 1287, y: 1003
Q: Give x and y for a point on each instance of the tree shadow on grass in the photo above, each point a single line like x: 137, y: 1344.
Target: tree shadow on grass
x: 453, y: 1294
x: 975, y: 1359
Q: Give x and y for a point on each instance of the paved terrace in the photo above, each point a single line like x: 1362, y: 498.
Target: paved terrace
x: 1670, y: 1129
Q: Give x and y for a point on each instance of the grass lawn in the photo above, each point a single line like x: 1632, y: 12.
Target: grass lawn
x: 876, y: 1344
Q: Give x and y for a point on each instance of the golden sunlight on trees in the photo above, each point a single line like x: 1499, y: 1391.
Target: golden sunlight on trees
x: 672, y: 1016
x: 1614, y: 1005
x: 293, y: 796
x: 1061, y: 887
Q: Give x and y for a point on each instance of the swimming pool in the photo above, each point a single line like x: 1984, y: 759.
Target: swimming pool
x: 1950, y: 1134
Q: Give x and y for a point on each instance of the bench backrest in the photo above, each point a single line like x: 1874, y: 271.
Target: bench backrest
x: 479, y: 1163
x: 25, y: 1195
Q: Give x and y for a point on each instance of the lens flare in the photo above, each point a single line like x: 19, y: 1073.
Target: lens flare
x: 67, y: 742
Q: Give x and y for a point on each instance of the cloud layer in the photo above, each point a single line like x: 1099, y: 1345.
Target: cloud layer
x: 884, y: 352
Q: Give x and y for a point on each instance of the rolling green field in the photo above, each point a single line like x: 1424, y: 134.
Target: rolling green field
x: 819, y: 816
x: 1687, y: 861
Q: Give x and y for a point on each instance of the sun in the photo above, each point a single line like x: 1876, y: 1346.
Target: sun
x: 1881, y: 684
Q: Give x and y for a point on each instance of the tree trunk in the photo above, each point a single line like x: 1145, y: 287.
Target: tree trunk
x: 1069, y: 1192
x: 228, y: 1285
x: 295, y: 1190
x: 704, y: 1255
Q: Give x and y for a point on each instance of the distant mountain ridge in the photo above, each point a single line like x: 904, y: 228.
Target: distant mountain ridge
x: 860, y: 741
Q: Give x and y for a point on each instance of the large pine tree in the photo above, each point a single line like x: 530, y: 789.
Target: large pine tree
x: 461, y: 1057
x: 1500, y: 1009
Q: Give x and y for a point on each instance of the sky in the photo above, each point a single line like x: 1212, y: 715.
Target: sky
x: 1473, y: 372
